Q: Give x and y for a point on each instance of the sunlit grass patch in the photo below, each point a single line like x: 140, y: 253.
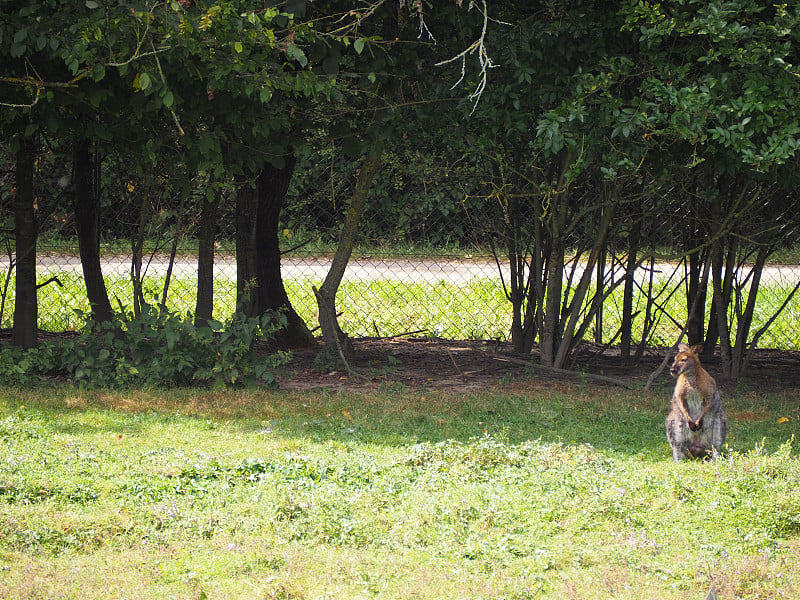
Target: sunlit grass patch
x: 566, y: 492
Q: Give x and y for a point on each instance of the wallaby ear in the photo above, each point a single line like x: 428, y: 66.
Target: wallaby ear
x: 697, y: 348
x: 683, y: 348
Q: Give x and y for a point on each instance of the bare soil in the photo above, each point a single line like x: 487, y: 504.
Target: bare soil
x: 465, y: 366
x: 462, y: 366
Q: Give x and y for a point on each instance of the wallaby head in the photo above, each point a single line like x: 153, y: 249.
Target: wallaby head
x: 686, y: 360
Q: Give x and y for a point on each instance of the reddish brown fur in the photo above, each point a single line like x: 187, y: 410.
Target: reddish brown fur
x: 696, y: 424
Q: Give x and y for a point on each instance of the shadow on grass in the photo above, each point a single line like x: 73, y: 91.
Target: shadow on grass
x: 608, y: 419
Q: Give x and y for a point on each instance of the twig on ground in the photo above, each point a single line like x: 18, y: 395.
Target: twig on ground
x: 455, y: 364
x: 567, y: 372
x: 398, y: 335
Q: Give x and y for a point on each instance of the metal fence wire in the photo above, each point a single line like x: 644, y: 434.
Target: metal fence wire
x: 449, y: 296
x: 423, y: 263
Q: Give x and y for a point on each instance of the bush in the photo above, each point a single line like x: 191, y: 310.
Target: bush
x: 159, y: 348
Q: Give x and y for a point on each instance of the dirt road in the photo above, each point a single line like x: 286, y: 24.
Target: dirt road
x: 448, y: 269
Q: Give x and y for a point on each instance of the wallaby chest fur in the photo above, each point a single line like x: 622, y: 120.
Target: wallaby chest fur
x: 696, y: 424
x: 693, y: 392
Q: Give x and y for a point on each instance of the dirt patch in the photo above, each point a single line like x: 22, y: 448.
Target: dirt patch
x: 465, y: 366
x: 462, y: 366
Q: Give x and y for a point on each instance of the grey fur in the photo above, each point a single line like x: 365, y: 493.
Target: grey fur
x: 702, y: 435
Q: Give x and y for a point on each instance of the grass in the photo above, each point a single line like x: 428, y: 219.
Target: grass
x: 520, y: 491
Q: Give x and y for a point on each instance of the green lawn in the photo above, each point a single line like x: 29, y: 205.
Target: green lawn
x: 520, y: 491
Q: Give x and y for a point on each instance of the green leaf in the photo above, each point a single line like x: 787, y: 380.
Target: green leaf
x: 351, y: 147
x: 238, y: 47
x: 359, y: 45
x: 296, y: 53
x: 91, y: 4
x: 168, y: 99
x: 98, y: 72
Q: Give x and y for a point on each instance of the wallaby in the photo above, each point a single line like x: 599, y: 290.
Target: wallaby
x: 696, y: 424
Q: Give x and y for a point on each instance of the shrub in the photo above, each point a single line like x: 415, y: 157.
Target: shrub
x: 158, y: 348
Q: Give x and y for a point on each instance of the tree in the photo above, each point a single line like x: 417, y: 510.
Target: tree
x: 25, y: 305
x: 218, y: 64
x: 546, y: 123
x: 228, y: 82
x: 326, y: 294
x: 49, y: 85
x: 720, y: 85
x: 259, y: 282
x: 85, y: 181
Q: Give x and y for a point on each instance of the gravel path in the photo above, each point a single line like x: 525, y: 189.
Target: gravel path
x: 450, y: 269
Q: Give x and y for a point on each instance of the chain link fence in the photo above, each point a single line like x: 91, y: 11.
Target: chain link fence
x: 450, y: 296
x: 422, y: 265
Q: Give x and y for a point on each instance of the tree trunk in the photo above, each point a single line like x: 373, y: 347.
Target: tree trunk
x: 626, y: 336
x: 572, y: 334
x: 517, y: 273
x: 137, y: 257
x: 712, y: 331
x: 649, y: 321
x: 26, y: 308
x: 722, y: 285
x: 740, y: 353
x: 173, y: 252
x: 204, y: 306
x: 696, y: 320
x: 258, y: 255
x: 87, y: 224
x: 551, y: 325
x: 599, y: 294
x: 246, y: 258
x: 538, y: 279
x: 554, y: 223
x: 326, y: 295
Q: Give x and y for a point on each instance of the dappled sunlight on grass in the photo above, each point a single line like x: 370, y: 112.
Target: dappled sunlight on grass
x: 522, y: 490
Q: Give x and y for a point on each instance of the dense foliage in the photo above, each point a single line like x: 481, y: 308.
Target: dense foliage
x: 576, y: 133
x: 159, y: 348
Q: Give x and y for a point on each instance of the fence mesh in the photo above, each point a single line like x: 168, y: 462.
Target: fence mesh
x: 450, y: 296
x: 434, y: 210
